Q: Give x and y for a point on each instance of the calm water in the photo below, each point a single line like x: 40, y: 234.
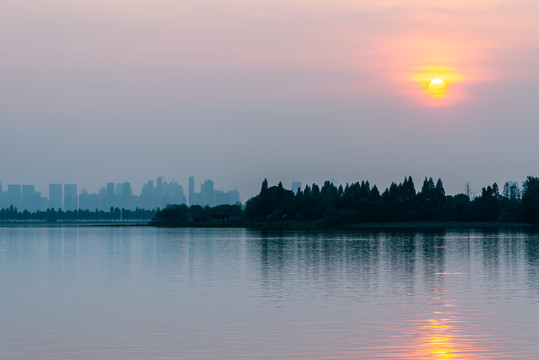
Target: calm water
x: 149, y: 293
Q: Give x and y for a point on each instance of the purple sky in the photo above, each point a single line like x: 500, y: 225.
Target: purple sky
x: 297, y: 90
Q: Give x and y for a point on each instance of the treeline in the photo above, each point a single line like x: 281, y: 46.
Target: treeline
x: 180, y: 214
x: 330, y: 205
x: 360, y: 203
x: 11, y: 214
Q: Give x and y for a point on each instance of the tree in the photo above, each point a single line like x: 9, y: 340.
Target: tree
x: 486, y: 207
x: 431, y: 200
x: 315, y: 190
x: 408, y: 188
x: 495, y: 190
x: 515, y: 191
x: 440, y: 187
x: 273, y: 200
x: 506, y: 190
x: 467, y: 190
x: 530, y: 200
x: 264, y: 186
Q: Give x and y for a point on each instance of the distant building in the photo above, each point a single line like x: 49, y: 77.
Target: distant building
x: 29, y: 198
x: 119, y: 195
x: 126, y: 198
x: 42, y: 201
x: 14, y: 195
x: 191, y: 190
x: 230, y: 197
x: 147, y: 196
x: 208, y: 196
x: 89, y: 201
x: 172, y: 194
x: 206, y: 192
x: 71, y: 199
x: 55, y: 196
x: 23, y: 197
x: 163, y: 194
x: 110, y: 198
x: 3, y: 199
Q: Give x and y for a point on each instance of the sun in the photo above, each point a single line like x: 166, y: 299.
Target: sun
x: 436, y: 81
x: 437, y: 87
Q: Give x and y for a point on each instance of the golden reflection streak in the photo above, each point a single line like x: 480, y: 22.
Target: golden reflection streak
x: 439, y: 345
x: 447, y: 336
x: 446, y: 332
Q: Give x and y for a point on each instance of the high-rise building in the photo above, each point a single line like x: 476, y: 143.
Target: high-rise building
x: 28, y: 200
x: 126, y: 190
x: 55, y: 196
x: 71, y: 199
x: 206, y: 191
x: 165, y: 193
x: 119, y: 195
x: 14, y: 195
x: 192, y: 190
x: 146, y: 199
x: 208, y: 196
x: 110, y: 189
x: 230, y: 197
x: 3, y: 199
x: 173, y: 194
x: 125, y: 194
x: 88, y: 201
x: 233, y: 197
x: 110, y: 200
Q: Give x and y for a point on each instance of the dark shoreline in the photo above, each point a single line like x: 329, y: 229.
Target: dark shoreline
x: 284, y: 225
x: 69, y: 224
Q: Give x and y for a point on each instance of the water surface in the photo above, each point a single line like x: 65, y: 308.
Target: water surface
x: 152, y: 293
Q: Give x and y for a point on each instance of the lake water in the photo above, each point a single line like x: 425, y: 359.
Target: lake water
x: 152, y: 293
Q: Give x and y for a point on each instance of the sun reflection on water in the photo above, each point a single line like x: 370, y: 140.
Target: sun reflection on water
x: 447, y: 333
x: 440, y: 340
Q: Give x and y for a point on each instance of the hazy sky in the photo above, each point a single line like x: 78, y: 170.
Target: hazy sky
x: 238, y: 90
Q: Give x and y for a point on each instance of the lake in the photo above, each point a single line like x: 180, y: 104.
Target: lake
x: 162, y: 293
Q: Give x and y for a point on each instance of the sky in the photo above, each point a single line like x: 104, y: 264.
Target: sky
x: 242, y: 90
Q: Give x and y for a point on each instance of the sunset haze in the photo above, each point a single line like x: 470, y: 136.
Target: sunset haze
x: 97, y: 91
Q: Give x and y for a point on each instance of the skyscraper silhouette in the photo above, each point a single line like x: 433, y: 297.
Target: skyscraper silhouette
x: 55, y: 196
x: 71, y: 199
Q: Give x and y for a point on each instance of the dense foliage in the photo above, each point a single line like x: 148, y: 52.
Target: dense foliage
x: 178, y: 214
x: 360, y: 203
x: 51, y: 215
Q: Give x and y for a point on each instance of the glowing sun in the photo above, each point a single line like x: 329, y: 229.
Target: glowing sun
x: 437, y: 87
x: 437, y: 81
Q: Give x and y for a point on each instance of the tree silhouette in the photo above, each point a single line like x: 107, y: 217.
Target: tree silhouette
x: 530, y: 200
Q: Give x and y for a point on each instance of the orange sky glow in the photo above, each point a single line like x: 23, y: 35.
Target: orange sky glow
x: 391, y: 43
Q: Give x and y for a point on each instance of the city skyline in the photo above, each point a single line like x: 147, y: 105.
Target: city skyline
x: 117, y: 195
